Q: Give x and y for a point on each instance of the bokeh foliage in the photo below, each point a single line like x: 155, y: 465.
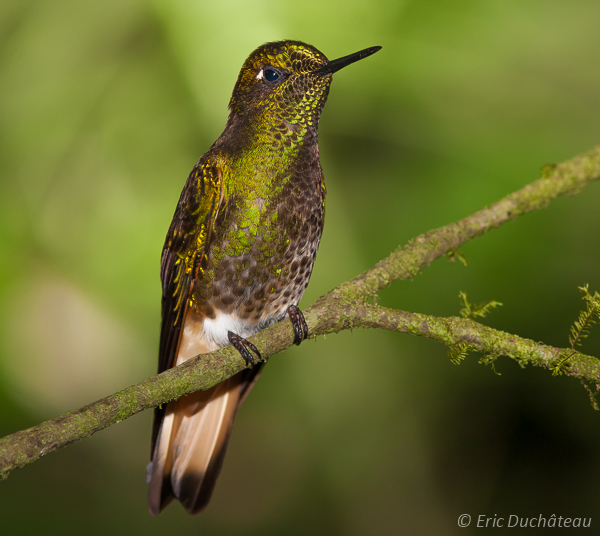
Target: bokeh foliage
x: 104, y: 109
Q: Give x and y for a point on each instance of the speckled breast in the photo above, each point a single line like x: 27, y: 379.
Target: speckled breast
x: 258, y: 266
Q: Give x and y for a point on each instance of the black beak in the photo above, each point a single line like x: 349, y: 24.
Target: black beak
x: 335, y: 65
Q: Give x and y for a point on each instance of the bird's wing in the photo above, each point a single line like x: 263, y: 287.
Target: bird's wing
x: 185, y: 248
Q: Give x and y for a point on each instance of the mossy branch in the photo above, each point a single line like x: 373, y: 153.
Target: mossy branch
x: 345, y: 307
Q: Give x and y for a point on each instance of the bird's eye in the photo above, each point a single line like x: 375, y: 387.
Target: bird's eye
x: 270, y: 75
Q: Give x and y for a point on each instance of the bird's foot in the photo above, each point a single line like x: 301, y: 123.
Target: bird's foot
x: 243, y: 347
x: 298, y: 323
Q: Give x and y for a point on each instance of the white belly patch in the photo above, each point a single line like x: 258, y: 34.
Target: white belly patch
x: 201, y: 337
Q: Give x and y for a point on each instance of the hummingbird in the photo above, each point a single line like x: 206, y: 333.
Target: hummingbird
x: 239, y: 254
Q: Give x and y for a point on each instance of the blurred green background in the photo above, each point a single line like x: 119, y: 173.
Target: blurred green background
x: 104, y: 109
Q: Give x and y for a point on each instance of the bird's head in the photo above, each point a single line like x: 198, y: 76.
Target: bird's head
x: 288, y: 80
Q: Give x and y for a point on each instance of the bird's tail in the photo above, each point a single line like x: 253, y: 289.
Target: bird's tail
x: 191, y: 445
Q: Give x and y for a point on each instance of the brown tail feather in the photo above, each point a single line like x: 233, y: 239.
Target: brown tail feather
x: 192, y: 442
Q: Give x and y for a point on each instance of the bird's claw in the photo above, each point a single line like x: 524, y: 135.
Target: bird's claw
x: 243, y: 347
x: 298, y: 323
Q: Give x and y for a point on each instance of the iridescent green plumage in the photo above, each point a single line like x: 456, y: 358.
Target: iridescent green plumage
x: 239, y: 252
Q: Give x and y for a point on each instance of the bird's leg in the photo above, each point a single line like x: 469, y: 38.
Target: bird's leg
x: 243, y: 347
x: 298, y: 323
